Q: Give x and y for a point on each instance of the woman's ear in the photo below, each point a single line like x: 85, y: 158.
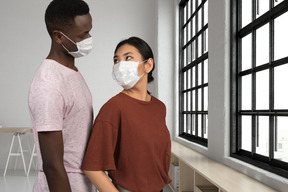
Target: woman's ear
x: 149, y: 65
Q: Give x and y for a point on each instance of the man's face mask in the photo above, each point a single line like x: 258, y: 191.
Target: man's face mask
x: 84, y: 47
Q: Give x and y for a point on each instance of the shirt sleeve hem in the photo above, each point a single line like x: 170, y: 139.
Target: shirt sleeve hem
x: 49, y: 128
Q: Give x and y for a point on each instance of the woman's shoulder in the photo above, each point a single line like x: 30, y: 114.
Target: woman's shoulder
x: 115, y: 100
x: 113, y: 103
x: 158, y: 101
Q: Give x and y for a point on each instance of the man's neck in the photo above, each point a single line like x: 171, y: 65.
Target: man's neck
x: 66, y: 60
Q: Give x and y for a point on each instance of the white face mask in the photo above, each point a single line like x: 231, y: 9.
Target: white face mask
x: 84, y: 47
x: 126, y: 73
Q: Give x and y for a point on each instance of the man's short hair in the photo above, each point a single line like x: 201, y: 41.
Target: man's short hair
x: 60, y: 14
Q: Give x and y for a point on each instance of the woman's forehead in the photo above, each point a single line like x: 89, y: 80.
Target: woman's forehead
x: 126, y: 49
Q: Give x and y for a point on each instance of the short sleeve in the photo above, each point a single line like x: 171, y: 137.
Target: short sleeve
x: 46, y: 105
x: 101, y: 148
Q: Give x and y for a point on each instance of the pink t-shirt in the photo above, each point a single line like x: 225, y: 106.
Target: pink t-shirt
x: 59, y: 100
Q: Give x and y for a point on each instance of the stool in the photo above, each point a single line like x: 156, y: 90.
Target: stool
x: 17, y: 133
x: 33, y: 154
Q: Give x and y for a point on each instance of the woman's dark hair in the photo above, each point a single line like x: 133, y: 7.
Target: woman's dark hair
x: 60, y: 14
x: 143, y: 48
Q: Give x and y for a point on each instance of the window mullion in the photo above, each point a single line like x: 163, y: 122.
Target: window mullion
x: 196, y: 70
x: 273, y: 118
x: 181, y: 83
x: 255, y: 123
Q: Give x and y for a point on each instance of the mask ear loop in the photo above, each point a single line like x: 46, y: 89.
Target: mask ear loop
x: 144, y: 70
x: 67, y: 37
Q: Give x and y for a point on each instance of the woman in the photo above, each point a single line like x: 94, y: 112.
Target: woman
x: 130, y: 139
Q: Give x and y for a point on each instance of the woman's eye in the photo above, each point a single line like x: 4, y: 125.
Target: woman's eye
x: 128, y: 58
x: 116, y: 61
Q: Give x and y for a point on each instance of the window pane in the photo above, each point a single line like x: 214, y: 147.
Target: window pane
x: 262, y: 45
x: 185, y: 35
x: 193, y: 101
x: 185, y: 102
x: 263, y: 147
x: 206, y: 126
x: 185, y: 81
x: 206, y: 13
x: 185, y: 15
x: 189, y: 124
x: 199, y: 3
x: 246, y: 134
x: 200, y: 74
x: 189, y: 31
x: 262, y: 90
x: 246, y: 52
x: 193, y: 4
x: 193, y: 124
x: 184, y: 123
x: 205, y: 71
x: 199, y: 99
x: 189, y: 54
x: 199, y: 126
x: 189, y: 79
x: 189, y: 8
x: 184, y: 58
x: 189, y: 101
x: 193, y: 76
x: 200, y: 45
x: 262, y: 7
x: 206, y: 41
x: 280, y: 90
x: 193, y: 51
x: 246, y: 12
x: 205, y: 99
x: 246, y: 92
x: 281, y: 37
x: 193, y: 26
x: 199, y: 19
x: 277, y: 2
x: 282, y: 139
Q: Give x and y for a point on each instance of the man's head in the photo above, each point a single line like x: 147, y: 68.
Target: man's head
x: 60, y: 14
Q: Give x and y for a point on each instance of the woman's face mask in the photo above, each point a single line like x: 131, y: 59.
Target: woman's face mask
x: 84, y: 47
x: 126, y: 73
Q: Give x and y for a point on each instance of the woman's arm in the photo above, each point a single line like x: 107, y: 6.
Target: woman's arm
x: 101, y: 181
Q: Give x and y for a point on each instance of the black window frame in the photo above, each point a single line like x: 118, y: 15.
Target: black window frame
x: 267, y: 163
x: 199, y: 59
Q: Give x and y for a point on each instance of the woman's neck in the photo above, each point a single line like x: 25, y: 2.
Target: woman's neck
x: 138, y: 94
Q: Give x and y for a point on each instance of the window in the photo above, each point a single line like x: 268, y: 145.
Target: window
x: 194, y: 71
x: 259, y: 107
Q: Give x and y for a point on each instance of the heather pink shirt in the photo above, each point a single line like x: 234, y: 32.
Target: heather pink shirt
x: 59, y: 100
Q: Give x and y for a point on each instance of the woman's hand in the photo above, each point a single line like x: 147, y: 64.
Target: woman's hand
x: 101, y: 181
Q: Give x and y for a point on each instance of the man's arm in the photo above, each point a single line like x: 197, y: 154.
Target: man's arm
x: 52, y: 151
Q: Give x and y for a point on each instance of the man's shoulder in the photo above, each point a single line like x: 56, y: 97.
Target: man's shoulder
x: 49, y: 70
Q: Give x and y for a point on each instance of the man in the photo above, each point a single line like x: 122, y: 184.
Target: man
x: 60, y: 102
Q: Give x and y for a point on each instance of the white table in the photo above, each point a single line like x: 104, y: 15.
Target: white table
x: 17, y: 132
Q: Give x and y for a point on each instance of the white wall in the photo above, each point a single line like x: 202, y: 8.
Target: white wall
x: 25, y: 43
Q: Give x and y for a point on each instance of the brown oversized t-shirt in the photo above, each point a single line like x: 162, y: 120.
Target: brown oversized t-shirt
x: 131, y: 141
